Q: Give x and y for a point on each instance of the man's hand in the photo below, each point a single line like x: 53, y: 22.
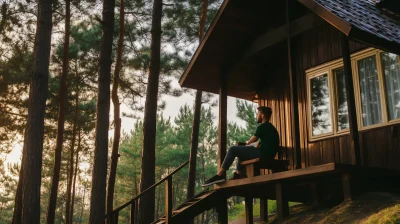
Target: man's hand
x: 252, y: 140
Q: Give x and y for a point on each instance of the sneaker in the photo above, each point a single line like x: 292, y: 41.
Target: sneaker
x: 213, y: 180
x: 236, y: 176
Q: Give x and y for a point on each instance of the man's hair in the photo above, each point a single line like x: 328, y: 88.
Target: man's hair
x: 267, y: 111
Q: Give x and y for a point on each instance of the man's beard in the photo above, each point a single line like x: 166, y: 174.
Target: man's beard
x: 259, y: 121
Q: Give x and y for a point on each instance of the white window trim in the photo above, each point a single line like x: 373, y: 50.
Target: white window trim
x: 328, y: 68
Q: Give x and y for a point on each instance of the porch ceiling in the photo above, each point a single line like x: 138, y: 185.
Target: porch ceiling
x: 225, y: 47
x: 245, y: 29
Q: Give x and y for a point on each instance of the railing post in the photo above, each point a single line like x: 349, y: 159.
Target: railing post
x: 168, y: 200
x: 113, y: 218
x: 132, y: 221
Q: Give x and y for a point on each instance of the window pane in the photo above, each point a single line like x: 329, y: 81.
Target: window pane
x: 370, y: 93
x: 320, y: 105
x: 341, y: 100
x: 391, y: 71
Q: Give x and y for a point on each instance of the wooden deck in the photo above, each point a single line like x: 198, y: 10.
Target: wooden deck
x: 330, y: 183
x: 308, y: 184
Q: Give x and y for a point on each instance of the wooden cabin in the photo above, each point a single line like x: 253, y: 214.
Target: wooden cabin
x: 330, y: 71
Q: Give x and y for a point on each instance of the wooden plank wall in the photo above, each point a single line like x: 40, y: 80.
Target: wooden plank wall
x: 379, y: 147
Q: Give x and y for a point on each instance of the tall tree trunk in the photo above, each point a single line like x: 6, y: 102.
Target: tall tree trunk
x: 146, y: 203
x: 99, y: 173
x: 75, y: 174
x: 196, y: 118
x: 83, y: 204
x: 17, y: 215
x: 71, y: 160
x: 117, y: 119
x: 32, y: 163
x: 61, y: 119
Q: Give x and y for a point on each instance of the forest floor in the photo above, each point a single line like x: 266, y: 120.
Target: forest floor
x: 366, y: 209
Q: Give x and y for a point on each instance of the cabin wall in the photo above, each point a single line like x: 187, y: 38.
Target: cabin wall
x: 379, y: 147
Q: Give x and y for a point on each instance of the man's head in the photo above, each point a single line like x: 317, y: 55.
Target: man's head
x: 263, y: 113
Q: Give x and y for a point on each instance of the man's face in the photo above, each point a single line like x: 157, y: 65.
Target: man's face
x: 260, y: 116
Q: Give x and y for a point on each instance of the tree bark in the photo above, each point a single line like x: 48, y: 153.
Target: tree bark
x: 61, y: 119
x: 32, y: 163
x: 17, y: 215
x: 75, y: 174
x: 71, y: 160
x: 117, y: 119
x: 196, y: 119
x: 146, y: 203
x: 99, y: 173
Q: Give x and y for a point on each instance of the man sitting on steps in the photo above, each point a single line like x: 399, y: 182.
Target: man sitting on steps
x: 266, y: 148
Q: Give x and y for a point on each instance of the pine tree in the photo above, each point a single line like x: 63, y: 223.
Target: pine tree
x: 61, y: 118
x: 32, y: 159
x: 99, y: 174
x: 146, y: 203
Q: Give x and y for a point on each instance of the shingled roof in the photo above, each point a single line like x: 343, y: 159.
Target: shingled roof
x: 361, y: 20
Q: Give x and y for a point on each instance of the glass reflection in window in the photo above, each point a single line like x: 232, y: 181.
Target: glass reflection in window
x: 320, y: 105
x: 341, y: 100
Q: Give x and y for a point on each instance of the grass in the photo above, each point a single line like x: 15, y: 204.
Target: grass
x: 238, y: 211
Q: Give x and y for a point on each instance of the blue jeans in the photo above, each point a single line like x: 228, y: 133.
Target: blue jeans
x: 242, y: 153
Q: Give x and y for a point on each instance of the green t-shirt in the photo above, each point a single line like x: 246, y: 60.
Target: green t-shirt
x: 269, y: 139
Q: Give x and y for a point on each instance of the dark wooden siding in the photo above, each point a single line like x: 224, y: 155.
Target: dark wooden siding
x: 379, y: 147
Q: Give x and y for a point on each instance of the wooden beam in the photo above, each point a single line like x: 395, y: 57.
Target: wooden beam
x: 249, y: 210
x: 279, y: 34
x: 264, y: 210
x: 222, y: 210
x: 346, y: 187
x: 132, y: 217
x: 282, y: 205
x: 293, y: 95
x: 300, y: 173
x: 168, y: 200
x: 222, y: 124
x: 351, y: 103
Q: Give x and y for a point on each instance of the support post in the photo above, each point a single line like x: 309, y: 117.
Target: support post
x: 346, y: 187
x: 293, y: 97
x: 249, y: 209
x: 264, y: 210
x: 222, y: 209
x: 351, y: 105
x: 282, y: 205
x: 222, y: 125
x: 132, y: 218
x: 168, y: 200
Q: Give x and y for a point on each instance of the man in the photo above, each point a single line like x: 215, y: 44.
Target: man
x: 267, y: 147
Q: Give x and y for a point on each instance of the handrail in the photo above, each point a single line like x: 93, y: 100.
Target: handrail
x: 148, y: 189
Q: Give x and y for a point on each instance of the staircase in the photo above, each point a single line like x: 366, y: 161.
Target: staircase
x: 201, y: 202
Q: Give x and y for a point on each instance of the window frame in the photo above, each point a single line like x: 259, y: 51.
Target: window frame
x: 382, y: 88
x: 329, y: 68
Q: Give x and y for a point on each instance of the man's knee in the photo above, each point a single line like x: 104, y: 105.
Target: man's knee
x: 235, y: 149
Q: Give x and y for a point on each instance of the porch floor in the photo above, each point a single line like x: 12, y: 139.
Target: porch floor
x: 322, y: 182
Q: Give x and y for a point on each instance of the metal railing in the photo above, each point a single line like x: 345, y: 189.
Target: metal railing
x: 112, y: 217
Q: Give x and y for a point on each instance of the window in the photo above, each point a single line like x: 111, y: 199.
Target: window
x: 377, y: 76
x: 327, y: 97
x: 369, y: 91
x: 376, y: 79
x: 391, y: 72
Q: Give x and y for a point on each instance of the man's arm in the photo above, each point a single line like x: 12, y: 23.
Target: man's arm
x: 252, y: 140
